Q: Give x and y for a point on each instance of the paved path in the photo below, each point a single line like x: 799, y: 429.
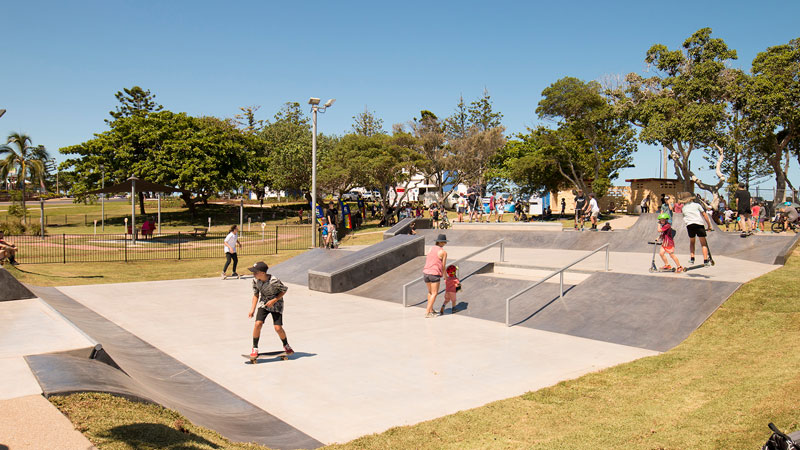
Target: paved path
x: 362, y: 365
x: 32, y: 422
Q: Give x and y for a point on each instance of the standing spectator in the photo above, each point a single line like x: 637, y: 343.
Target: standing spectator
x: 492, y: 207
x: 594, y: 210
x: 500, y: 204
x: 434, y: 210
x: 361, y: 205
x: 372, y: 210
x: 755, y: 208
x: 433, y: 271
x: 665, y: 207
x: 762, y: 215
x: 331, y: 214
x: 563, y: 207
x: 645, y: 204
x: 462, y: 207
x: 472, y: 199
x: 580, y: 206
x: 230, y: 243
x: 743, y: 208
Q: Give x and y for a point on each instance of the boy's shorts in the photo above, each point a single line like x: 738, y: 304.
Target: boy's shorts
x: 670, y: 249
x: 695, y: 230
x: 261, y: 316
x: 596, y: 214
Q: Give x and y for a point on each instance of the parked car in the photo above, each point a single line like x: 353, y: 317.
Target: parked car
x: 373, y: 196
x: 350, y: 196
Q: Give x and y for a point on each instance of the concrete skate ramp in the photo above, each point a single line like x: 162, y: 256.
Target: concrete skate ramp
x: 389, y: 286
x: 356, y: 268
x: 635, y: 310
x: 11, y: 289
x: 766, y: 249
x: 295, y: 270
x: 156, y: 376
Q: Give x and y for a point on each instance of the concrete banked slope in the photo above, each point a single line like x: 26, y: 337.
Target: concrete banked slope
x: 767, y: 249
x: 149, y: 374
x: 11, y: 289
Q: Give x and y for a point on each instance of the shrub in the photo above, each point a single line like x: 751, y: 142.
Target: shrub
x: 16, y: 227
x: 16, y: 210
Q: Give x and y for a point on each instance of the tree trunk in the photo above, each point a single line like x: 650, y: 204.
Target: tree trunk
x: 187, y: 199
x: 141, y: 203
x: 24, y: 209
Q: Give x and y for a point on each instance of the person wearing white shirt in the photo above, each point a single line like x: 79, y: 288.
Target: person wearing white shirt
x: 594, y: 209
x: 697, y: 223
x: 230, y: 243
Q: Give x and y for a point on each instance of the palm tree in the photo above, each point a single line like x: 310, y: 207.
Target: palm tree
x: 27, y: 159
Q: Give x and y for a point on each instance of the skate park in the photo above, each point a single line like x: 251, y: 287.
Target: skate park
x: 364, y: 361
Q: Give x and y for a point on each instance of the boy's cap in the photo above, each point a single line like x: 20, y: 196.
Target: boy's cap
x: 260, y: 266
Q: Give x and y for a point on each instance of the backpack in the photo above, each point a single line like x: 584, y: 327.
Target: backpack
x: 779, y: 441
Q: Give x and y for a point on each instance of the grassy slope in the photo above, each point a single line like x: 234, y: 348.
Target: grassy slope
x: 718, y: 389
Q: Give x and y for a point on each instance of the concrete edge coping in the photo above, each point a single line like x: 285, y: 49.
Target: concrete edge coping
x: 64, y: 318
x: 399, y: 227
x: 783, y: 255
x: 357, y: 263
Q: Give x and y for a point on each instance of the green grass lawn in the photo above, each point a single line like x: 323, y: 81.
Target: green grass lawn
x: 718, y: 389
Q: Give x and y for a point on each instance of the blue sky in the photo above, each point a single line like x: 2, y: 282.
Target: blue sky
x: 63, y: 61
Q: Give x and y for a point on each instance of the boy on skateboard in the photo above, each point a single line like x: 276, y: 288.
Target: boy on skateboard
x: 268, y: 295
x: 667, y: 243
x: 451, y: 286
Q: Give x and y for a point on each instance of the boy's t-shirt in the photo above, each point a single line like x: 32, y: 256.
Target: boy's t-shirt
x: 666, y: 236
x: 693, y: 214
x: 580, y: 202
x: 593, y: 205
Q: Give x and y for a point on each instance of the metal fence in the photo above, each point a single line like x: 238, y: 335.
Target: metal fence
x: 66, y: 248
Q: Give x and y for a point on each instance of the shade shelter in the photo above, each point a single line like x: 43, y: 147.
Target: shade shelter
x: 134, y: 185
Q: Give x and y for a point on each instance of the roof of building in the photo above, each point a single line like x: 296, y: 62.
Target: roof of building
x: 674, y: 180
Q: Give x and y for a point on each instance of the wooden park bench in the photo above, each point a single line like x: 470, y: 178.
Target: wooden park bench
x: 200, y: 232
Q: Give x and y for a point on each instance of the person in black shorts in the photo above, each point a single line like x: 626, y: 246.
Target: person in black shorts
x: 580, y: 205
x: 268, y: 293
x: 743, y: 209
x: 697, y: 223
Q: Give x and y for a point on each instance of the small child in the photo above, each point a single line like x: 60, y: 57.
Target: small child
x: 667, y: 243
x: 452, y: 285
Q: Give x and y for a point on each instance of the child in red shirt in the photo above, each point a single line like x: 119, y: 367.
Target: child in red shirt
x: 667, y: 243
x: 452, y: 285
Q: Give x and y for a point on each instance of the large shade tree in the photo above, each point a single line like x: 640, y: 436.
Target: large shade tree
x: 688, y: 105
x: 27, y: 160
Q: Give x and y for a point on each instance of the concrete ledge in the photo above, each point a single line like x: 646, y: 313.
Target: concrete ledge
x: 359, y: 267
x: 402, y: 227
x: 784, y: 254
x: 508, y: 226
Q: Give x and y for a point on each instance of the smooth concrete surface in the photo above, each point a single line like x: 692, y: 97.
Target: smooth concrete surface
x: 33, y: 423
x: 16, y: 379
x: 356, y: 268
x: 166, y: 380
x: 11, y: 289
x: 361, y: 366
x: 30, y: 327
x: 295, y: 270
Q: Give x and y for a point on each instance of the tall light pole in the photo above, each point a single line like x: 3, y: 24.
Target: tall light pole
x: 103, y: 199
x: 314, y: 102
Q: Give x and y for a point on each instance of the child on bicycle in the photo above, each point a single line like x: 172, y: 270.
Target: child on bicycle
x: 451, y: 286
x: 667, y: 243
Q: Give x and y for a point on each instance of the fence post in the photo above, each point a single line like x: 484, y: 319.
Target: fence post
x: 607, y: 247
x: 179, y: 245
x: 276, y: 239
x: 84, y: 220
x: 64, y: 248
x: 126, y: 248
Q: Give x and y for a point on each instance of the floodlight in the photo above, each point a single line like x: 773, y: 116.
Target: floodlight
x: 2, y: 111
x: 313, y: 101
x: 330, y: 103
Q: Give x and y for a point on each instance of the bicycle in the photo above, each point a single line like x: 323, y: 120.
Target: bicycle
x: 779, y: 224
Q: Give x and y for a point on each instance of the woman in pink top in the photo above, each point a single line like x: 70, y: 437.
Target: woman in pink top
x: 433, y: 271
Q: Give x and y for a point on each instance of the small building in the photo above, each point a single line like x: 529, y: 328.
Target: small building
x: 652, y: 188
x: 616, y: 199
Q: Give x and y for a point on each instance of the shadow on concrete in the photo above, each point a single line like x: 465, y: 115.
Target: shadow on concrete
x: 543, y: 306
x: 156, y: 435
x: 48, y: 275
x: 270, y: 357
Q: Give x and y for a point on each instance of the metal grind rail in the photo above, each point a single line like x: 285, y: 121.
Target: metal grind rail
x: 481, y: 250
x: 561, y: 280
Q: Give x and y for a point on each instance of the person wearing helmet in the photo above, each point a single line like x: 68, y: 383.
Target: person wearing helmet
x: 667, y: 243
x: 697, y: 223
x: 790, y: 215
x: 451, y: 286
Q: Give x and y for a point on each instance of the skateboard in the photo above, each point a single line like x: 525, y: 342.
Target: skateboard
x: 277, y: 354
x: 235, y: 277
